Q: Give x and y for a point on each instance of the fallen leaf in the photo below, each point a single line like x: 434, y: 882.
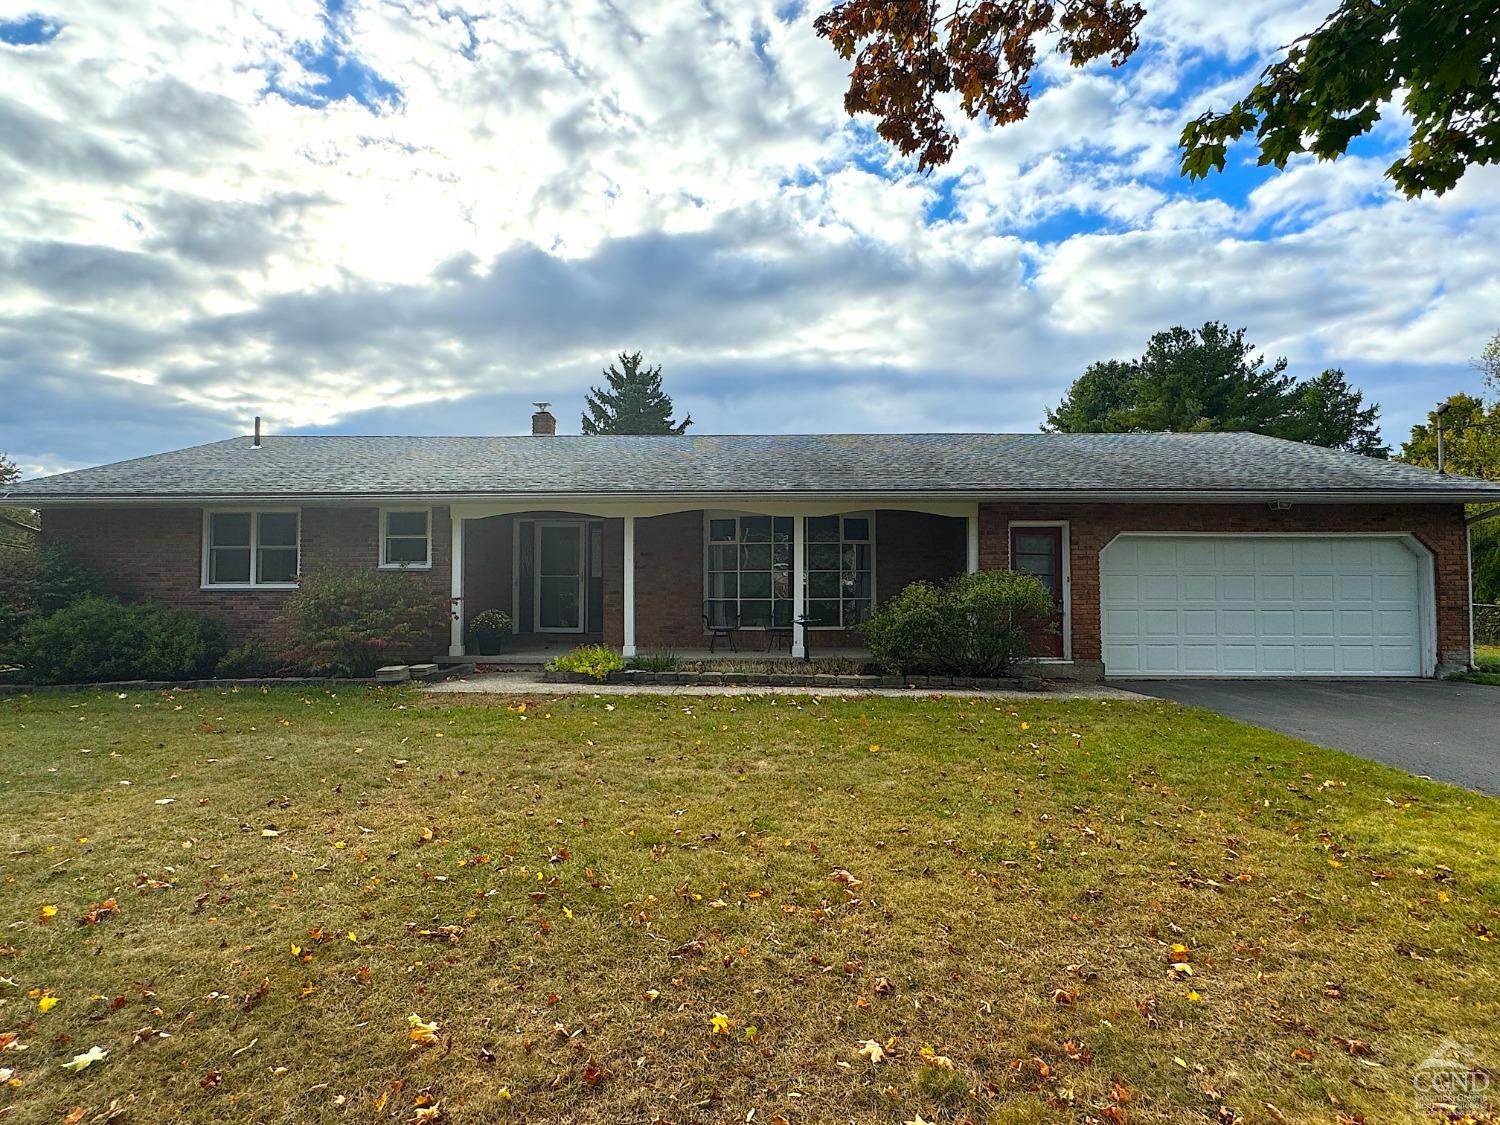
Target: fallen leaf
x: 86, y: 1060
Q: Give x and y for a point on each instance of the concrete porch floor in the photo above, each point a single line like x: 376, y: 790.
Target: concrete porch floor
x: 532, y: 653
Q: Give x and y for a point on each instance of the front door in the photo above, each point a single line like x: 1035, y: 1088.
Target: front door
x: 1038, y: 551
x: 560, y: 577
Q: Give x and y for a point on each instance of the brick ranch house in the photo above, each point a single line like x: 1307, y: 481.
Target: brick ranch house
x: 1167, y: 554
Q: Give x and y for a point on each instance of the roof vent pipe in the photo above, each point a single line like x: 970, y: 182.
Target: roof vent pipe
x: 255, y: 441
x: 543, y: 422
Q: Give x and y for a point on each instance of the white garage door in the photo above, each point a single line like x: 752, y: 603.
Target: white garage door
x: 1244, y: 605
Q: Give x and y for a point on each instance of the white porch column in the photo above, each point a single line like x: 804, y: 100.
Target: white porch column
x: 628, y: 647
x: 799, y: 584
x: 456, y: 567
x: 972, y: 563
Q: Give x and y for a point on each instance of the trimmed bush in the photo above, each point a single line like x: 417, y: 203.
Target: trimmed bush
x: 972, y: 625
x: 595, y: 661
x: 101, y: 639
x: 350, y: 622
x: 34, y: 583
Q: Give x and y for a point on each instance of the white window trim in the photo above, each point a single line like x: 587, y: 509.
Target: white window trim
x: 255, y: 514
x: 380, y: 562
x: 710, y: 514
x: 1067, y: 583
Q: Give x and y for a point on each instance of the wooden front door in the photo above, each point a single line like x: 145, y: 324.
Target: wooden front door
x: 1038, y: 550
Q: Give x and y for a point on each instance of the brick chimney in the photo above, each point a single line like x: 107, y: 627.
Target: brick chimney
x: 543, y: 422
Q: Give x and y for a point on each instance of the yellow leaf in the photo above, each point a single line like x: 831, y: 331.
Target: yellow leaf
x: 1193, y: 996
x: 49, y: 913
x: 385, y: 1096
x: 46, y: 1003
x: 422, y: 1032
x: 503, y: 1092
x: 872, y: 1051
x: 720, y: 1023
x: 874, y: 748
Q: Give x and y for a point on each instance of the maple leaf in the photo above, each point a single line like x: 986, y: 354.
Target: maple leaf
x: 46, y: 1003
x: 720, y: 1023
x: 872, y: 1051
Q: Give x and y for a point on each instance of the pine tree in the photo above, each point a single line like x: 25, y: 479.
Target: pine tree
x: 634, y: 402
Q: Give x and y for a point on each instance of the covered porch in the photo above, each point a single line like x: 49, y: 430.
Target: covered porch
x: 702, y: 582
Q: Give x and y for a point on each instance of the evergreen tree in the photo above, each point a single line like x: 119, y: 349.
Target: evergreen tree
x: 633, y: 402
x: 1211, y: 379
x: 1328, y: 411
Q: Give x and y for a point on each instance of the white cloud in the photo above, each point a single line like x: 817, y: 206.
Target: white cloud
x: 549, y: 183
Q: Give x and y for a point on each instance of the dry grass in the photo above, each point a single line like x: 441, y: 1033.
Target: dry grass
x: 1017, y: 876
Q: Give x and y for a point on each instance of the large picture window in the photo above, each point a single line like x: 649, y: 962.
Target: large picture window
x: 251, y: 548
x: 405, y: 538
x: 840, y: 570
x: 749, y: 570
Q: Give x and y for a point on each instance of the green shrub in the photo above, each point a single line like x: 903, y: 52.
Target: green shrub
x: 489, y: 630
x: 972, y: 625
x: 34, y: 583
x: 662, y: 660
x: 596, y: 661
x: 100, y: 639
x: 350, y: 622
x: 249, y: 661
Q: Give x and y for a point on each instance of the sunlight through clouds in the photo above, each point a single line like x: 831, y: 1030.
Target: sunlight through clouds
x: 384, y: 217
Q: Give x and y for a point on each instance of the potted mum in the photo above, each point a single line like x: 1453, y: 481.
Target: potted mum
x: 488, y: 631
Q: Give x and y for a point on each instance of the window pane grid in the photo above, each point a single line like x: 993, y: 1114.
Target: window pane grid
x: 749, y: 571
x: 252, y: 548
x: 407, y: 539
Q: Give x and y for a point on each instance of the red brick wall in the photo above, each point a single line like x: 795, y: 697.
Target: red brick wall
x: 156, y: 553
x: 669, y: 580
x: 1439, y: 527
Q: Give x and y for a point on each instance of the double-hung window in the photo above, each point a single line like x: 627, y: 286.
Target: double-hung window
x: 840, y: 569
x: 405, y: 538
x: 251, y: 548
x: 749, y: 570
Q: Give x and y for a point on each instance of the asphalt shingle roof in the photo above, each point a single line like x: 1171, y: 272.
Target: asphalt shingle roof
x: 1087, y: 464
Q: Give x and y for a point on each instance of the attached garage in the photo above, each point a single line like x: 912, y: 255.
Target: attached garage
x: 1266, y: 605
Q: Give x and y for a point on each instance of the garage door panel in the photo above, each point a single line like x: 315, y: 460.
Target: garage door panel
x: 1198, y: 587
x: 1250, y: 605
x: 1314, y: 587
x: 1237, y: 587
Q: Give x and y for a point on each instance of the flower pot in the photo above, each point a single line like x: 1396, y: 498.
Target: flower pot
x: 489, y: 642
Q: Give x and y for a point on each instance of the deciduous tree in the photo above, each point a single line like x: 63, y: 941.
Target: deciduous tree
x: 1438, y: 57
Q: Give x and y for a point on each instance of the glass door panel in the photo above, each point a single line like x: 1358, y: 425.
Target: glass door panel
x: 559, y: 577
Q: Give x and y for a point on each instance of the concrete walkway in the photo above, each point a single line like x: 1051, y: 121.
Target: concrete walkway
x: 519, y: 683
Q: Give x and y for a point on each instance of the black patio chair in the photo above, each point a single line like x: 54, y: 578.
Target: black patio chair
x: 718, y: 630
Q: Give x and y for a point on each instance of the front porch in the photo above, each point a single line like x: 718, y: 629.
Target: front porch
x: 703, y: 583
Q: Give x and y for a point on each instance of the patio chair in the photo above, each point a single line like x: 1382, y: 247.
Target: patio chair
x: 718, y: 630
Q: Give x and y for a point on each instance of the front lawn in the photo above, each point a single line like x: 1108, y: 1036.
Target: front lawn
x: 300, y: 906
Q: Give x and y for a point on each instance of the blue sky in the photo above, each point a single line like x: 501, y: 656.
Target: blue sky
x: 367, y: 216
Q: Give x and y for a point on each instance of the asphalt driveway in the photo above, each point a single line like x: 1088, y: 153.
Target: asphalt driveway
x: 1448, y: 731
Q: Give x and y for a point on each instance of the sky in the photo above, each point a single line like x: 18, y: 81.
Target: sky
x: 395, y: 216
